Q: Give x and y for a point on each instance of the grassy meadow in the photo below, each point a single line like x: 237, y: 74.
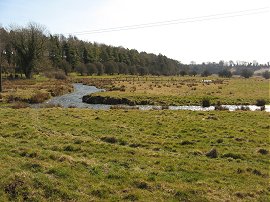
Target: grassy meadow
x: 185, y: 90
x: 69, y: 154
x: 58, y: 154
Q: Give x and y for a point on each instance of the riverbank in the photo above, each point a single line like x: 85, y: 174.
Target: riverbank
x: 22, y: 92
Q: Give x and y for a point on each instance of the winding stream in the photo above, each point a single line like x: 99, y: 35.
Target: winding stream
x: 74, y: 99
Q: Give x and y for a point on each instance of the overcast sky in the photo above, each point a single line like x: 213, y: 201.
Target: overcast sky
x: 244, y: 37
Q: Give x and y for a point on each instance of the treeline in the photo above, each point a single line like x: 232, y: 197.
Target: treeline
x: 30, y: 50
x: 235, y: 67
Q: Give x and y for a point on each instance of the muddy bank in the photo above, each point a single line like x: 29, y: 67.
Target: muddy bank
x: 96, y: 99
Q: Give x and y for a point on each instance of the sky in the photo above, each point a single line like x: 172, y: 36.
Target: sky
x: 244, y: 36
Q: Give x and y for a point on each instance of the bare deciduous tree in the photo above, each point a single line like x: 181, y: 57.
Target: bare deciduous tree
x: 29, y: 44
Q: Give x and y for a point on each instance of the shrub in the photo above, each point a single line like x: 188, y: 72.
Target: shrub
x: 246, y: 73
x: 260, y: 102
x: 81, y: 68
x: 205, y: 73
x: 266, y: 74
x: 206, y: 102
x: 91, y: 69
x: 225, y: 73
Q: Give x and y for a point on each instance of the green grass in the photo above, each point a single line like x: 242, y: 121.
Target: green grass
x: 86, y: 155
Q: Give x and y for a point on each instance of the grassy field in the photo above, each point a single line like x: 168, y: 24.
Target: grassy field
x: 60, y: 154
x: 153, y: 90
x: 186, y: 90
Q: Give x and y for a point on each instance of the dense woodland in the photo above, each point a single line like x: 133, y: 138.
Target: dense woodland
x: 29, y: 50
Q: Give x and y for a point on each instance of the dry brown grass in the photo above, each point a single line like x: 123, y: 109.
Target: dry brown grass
x: 34, y: 91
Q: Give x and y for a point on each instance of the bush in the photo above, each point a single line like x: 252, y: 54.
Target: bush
x: 65, y: 66
x: 246, y: 73
x: 91, y: 69
x: 266, y: 74
x: 260, y: 102
x: 193, y: 73
x: 225, y: 73
x: 81, y: 68
x: 206, y: 102
x: 205, y: 73
x: 183, y: 73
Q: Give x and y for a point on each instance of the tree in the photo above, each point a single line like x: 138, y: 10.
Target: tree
x: 91, y: 69
x: 142, y: 71
x: 65, y: 66
x: 81, y: 68
x: 225, y: 73
x: 133, y: 70
x: 193, y: 73
x: 123, y: 68
x: 205, y: 73
x: 183, y: 72
x: 266, y: 74
x: 29, y: 44
x: 110, y: 67
x: 100, y: 68
x: 246, y: 73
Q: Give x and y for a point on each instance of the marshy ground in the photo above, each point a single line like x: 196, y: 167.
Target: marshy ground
x: 69, y: 154
x: 183, y: 90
